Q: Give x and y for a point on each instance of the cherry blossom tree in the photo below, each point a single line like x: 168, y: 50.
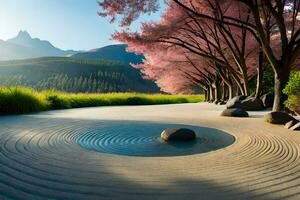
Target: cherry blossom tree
x: 275, y: 24
x: 280, y: 44
x: 200, y: 37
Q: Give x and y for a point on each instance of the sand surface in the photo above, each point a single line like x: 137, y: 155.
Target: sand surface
x: 39, y: 158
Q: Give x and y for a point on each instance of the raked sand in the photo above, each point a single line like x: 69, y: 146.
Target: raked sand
x: 39, y: 158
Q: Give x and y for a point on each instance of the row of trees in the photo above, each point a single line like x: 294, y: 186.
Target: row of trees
x: 219, y: 45
x: 100, y: 82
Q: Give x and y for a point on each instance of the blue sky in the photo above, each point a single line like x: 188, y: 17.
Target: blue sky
x: 67, y: 24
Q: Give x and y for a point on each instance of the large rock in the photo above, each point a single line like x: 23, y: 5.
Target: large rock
x: 235, y: 102
x: 252, y: 104
x: 296, y: 127
x: 278, y: 118
x: 234, y: 112
x: 267, y: 100
x: 178, y: 134
x: 222, y: 102
x: 290, y: 124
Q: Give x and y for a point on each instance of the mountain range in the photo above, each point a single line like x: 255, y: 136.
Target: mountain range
x: 23, y: 46
x: 112, y: 52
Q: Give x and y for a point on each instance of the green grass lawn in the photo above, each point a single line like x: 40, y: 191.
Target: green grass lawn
x: 18, y: 100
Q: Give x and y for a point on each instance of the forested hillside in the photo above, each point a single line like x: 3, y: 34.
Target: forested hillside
x: 74, y: 75
x: 113, y: 52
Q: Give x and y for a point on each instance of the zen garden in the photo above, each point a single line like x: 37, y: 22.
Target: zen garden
x: 178, y: 99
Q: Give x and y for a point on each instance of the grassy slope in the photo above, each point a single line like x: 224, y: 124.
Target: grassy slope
x: 26, y: 100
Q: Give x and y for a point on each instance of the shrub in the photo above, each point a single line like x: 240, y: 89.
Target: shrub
x: 25, y: 100
x: 138, y: 101
x: 293, y: 91
x: 21, y: 100
x: 55, y: 99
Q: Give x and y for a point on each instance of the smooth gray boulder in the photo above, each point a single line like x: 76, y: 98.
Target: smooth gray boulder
x: 234, y: 112
x: 252, y: 104
x: 278, y: 117
x: 291, y: 124
x: 267, y: 100
x: 235, y: 102
x: 296, y: 127
x: 178, y: 134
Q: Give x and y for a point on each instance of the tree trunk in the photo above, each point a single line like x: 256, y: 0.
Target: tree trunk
x: 224, y: 91
x: 217, y: 94
x: 217, y: 91
x: 246, y: 86
x: 237, y: 91
x: 234, y: 91
x: 259, y: 79
x: 281, y: 79
x: 227, y: 82
x: 211, y: 94
x: 240, y: 87
x: 230, y: 91
x: 206, y: 94
x: 230, y: 88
